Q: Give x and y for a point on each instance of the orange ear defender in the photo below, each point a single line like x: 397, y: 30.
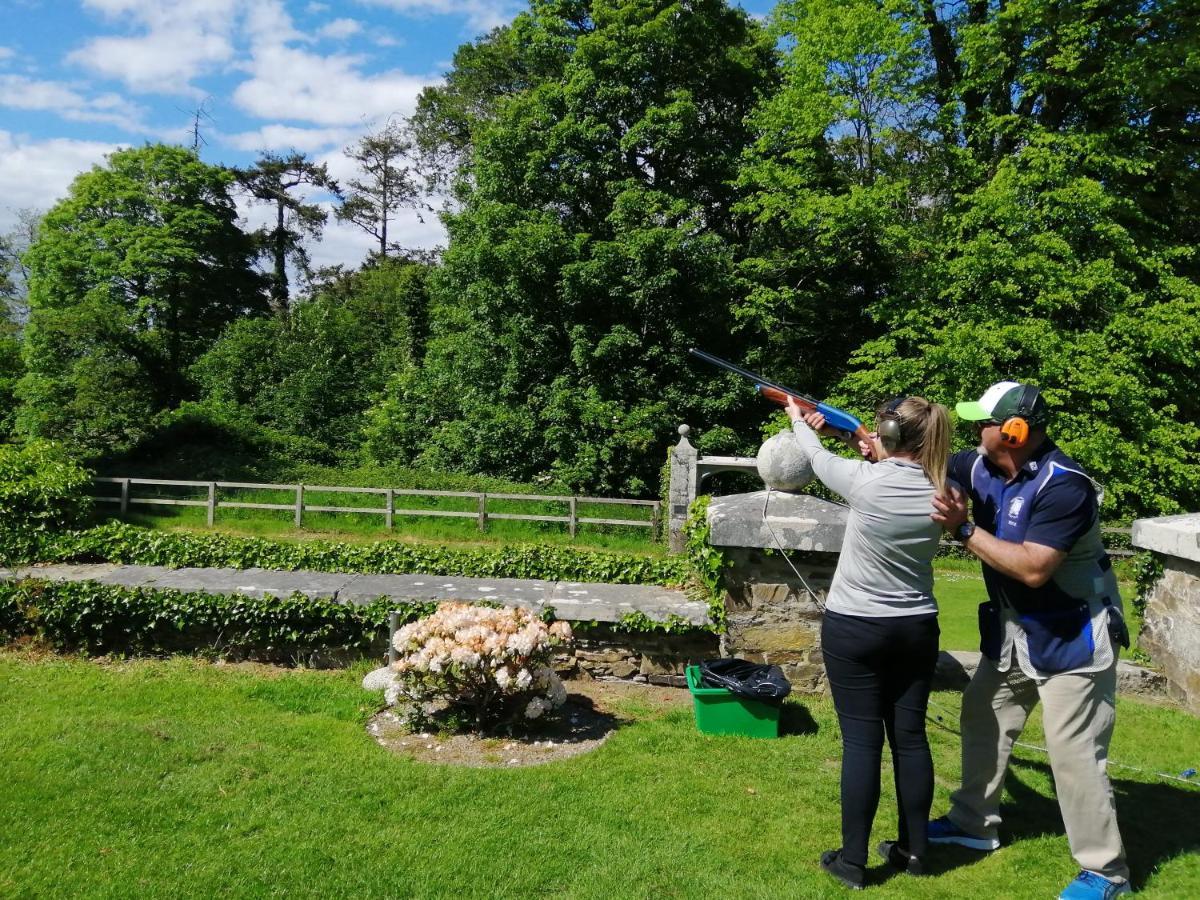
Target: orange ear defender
x: 1014, y: 431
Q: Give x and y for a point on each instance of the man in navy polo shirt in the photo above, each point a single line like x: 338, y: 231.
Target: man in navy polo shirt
x: 1048, y: 632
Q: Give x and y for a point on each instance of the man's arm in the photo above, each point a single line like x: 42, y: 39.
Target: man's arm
x: 1030, y: 563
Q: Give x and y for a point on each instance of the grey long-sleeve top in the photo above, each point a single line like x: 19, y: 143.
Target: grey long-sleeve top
x: 886, y: 564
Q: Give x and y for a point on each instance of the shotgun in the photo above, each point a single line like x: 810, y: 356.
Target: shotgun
x: 851, y: 428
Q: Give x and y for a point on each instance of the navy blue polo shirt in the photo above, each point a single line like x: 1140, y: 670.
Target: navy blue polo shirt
x: 1049, y: 502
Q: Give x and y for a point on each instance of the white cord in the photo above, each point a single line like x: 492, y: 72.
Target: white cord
x: 779, y: 544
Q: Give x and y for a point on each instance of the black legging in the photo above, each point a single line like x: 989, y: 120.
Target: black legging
x: 880, y: 670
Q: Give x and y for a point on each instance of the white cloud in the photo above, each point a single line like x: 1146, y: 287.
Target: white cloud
x: 339, y: 29
x: 19, y: 92
x: 7, y: 53
x: 316, y: 8
x: 181, y: 39
x: 482, y: 15
x: 349, y: 245
x: 37, y: 173
x: 288, y: 137
x: 327, y: 90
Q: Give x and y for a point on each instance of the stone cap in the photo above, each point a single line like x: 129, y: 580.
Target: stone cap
x: 1171, y: 535
x: 800, y: 521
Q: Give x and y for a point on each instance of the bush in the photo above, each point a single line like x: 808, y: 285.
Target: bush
x: 42, y: 491
x: 493, y: 665
x: 121, y: 543
x: 99, y: 618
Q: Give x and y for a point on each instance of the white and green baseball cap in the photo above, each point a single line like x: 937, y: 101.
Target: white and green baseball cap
x: 1002, y: 401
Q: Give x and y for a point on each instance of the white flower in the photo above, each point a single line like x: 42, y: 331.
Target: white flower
x: 524, y: 679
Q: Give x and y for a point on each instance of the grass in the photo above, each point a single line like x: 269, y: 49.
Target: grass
x: 360, y: 527
x: 959, y: 589
x: 168, y: 778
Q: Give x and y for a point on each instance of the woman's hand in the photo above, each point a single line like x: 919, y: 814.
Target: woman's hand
x: 793, y: 409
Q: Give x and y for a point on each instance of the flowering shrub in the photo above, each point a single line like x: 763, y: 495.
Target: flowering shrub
x: 492, y: 664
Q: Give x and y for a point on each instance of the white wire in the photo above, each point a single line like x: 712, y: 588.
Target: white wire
x: 779, y: 544
x: 1023, y: 744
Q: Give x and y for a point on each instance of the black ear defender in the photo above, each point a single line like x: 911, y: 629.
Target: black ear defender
x: 890, y: 431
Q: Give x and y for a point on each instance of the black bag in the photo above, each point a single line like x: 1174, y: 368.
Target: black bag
x: 754, y: 681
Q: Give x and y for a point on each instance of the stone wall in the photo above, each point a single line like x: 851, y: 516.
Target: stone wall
x: 658, y: 658
x: 1171, y: 629
x: 1171, y: 622
x: 772, y: 618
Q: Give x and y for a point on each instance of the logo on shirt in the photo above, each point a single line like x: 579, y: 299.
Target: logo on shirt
x: 1014, y: 508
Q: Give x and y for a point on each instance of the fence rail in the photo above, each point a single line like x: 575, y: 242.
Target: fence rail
x: 389, y: 510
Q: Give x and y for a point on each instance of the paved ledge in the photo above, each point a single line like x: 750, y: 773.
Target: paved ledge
x: 799, y: 521
x: 576, y: 601
x: 1171, y: 535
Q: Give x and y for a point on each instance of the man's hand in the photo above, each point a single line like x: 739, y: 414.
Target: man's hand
x: 950, y: 509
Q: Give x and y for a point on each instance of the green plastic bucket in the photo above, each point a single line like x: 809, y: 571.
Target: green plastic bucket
x: 721, y: 711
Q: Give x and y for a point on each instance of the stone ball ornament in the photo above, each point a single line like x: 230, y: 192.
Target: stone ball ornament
x: 783, y: 464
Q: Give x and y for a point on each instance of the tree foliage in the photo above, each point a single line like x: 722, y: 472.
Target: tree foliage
x: 594, y: 242
x: 312, y: 374
x: 133, y: 275
x: 384, y: 186
x: 272, y: 180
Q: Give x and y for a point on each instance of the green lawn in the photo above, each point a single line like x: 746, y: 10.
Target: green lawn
x: 959, y: 589
x: 179, y: 778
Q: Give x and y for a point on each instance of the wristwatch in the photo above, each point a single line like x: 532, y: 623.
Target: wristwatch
x: 964, y: 531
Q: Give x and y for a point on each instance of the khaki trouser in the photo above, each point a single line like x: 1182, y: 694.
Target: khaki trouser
x: 1078, y: 711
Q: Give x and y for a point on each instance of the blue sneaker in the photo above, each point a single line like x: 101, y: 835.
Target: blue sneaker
x: 943, y: 831
x: 1090, y: 886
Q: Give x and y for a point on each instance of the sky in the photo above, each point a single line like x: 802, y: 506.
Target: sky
x: 81, y: 78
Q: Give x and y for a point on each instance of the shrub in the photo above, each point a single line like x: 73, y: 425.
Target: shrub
x: 493, y: 665
x: 98, y: 618
x: 42, y: 490
x: 121, y: 543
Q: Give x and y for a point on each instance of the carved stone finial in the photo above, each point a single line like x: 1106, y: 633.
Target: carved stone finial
x: 685, y: 430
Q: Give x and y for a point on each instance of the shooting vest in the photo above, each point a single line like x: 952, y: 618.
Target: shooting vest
x: 1061, y: 626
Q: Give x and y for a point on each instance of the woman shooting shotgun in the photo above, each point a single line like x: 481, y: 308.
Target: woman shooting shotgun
x: 879, y: 635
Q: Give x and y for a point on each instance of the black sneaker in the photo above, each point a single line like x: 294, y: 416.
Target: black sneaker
x: 900, y: 860
x: 847, y: 873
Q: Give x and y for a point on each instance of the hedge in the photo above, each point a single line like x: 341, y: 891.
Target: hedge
x: 97, y: 618
x: 117, y: 542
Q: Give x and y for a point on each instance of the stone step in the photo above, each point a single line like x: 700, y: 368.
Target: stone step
x: 571, y: 600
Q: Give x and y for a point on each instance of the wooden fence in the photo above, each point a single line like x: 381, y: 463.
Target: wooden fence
x: 389, y: 510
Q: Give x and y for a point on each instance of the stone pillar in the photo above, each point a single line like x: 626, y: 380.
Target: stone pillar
x: 773, y: 602
x: 682, y: 490
x: 1171, y: 623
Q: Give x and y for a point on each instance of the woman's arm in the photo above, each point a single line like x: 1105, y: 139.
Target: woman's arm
x: 836, y: 472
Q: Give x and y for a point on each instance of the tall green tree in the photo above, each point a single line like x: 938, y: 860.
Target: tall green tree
x: 1065, y: 252
x: 594, y: 244
x: 312, y: 375
x: 133, y: 275
x: 384, y: 185
x: 273, y: 180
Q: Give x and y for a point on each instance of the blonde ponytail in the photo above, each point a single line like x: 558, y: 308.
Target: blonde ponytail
x: 925, y: 436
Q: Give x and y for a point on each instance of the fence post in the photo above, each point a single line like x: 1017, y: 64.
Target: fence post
x: 483, y: 511
x: 574, y: 509
x: 682, y: 490
x: 124, y: 496
x: 655, y: 514
x: 393, y: 627
x: 299, y: 504
x: 212, y: 502
x: 391, y: 507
